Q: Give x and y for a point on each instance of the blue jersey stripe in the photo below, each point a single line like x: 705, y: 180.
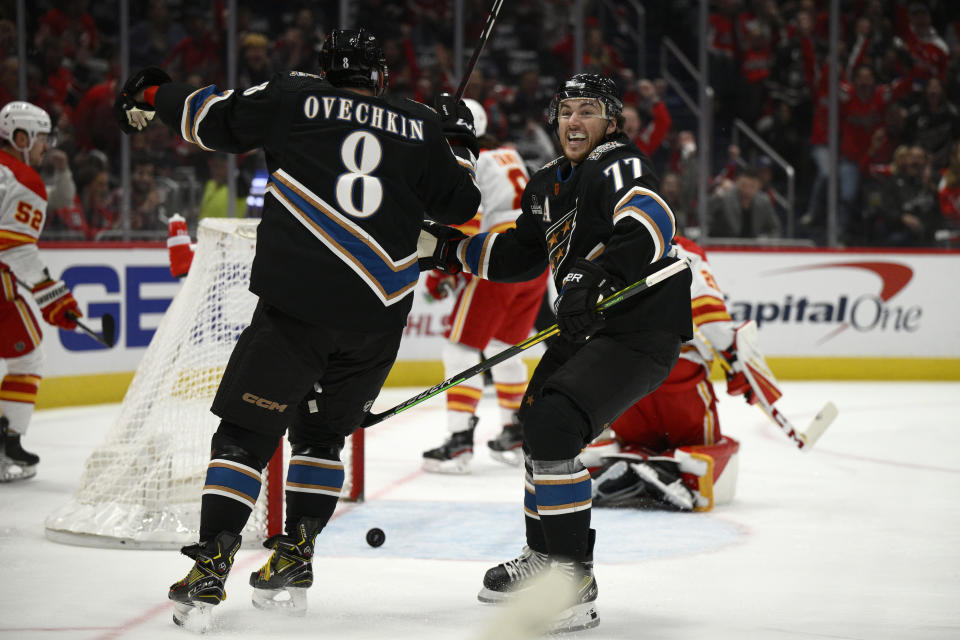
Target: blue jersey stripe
x: 392, y: 281
x: 660, y: 217
x: 194, y: 105
x: 473, y: 253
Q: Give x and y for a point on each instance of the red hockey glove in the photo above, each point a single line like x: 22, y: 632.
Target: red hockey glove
x: 737, y: 383
x: 440, y: 284
x: 57, y: 304
x: 178, y: 246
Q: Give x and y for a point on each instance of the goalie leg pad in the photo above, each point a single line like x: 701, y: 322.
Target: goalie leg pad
x: 718, y: 485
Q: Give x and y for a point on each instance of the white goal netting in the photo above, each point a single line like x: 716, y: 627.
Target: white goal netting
x: 141, y: 486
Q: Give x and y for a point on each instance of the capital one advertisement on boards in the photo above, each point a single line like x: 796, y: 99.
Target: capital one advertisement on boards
x: 821, y: 304
x: 806, y: 303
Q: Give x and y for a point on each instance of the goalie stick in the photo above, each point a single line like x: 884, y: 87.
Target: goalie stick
x: 803, y: 440
x: 627, y: 292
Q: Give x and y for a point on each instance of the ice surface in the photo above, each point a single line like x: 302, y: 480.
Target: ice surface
x: 858, y: 538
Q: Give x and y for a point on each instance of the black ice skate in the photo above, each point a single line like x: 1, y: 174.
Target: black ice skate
x: 454, y: 455
x: 15, y: 463
x: 195, y: 596
x: 506, y: 580
x: 507, y: 447
x: 582, y: 587
x: 281, y: 584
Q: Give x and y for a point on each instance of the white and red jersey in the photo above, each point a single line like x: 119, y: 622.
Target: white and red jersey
x: 23, y: 212
x: 501, y: 176
x: 710, y: 314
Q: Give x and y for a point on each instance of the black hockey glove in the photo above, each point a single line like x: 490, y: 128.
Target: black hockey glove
x: 437, y: 247
x: 583, y: 287
x: 132, y: 115
x: 456, y: 122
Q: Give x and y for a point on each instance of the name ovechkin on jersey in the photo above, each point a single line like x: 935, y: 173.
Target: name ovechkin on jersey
x: 368, y: 115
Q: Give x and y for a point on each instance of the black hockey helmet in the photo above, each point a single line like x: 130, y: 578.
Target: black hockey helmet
x: 354, y: 58
x: 589, y: 85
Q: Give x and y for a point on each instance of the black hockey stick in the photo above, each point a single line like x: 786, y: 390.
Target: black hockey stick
x: 107, y: 324
x: 627, y: 292
x: 484, y: 35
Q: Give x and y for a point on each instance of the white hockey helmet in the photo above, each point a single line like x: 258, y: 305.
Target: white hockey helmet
x: 16, y: 116
x: 479, y: 115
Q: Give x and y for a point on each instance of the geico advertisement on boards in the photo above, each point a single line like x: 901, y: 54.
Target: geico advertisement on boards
x: 134, y: 285
x: 848, y: 303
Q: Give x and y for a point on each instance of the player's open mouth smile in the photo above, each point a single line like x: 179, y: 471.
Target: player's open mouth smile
x: 576, y: 138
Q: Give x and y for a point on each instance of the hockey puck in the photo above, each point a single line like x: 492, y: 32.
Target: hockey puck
x: 376, y: 537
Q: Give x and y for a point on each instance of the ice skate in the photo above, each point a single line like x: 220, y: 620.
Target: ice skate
x: 281, y: 584
x: 507, y: 447
x: 454, y: 455
x: 582, y: 614
x: 203, y: 588
x: 15, y: 463
x: 504, y: 581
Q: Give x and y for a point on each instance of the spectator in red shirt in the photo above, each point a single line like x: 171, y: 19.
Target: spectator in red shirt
x: 647, y: 123
x: 862, y: 107
x: 198, y: 52
x: 948, y: 191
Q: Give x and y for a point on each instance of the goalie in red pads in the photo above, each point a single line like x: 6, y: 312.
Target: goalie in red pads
x: 667, y: 450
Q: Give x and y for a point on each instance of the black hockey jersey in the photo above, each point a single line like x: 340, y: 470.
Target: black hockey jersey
x: 606, y: 209
x: 351, y: 178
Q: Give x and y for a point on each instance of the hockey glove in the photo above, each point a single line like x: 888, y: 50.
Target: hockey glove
x: 440, y: 284
x: 178, y: 246
x: 437, y: 247
x: 737, y: 383
x: 57, y: 304
x: 133, y: 115
x: 456, y: 122
x: 583, y: 287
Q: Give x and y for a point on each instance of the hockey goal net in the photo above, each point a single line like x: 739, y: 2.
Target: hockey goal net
x: 141, y: 486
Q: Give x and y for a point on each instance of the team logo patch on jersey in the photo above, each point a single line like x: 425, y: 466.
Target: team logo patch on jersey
x: 602, y: 149
x: 535, y: 207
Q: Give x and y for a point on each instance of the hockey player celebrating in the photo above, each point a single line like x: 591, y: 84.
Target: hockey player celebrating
x: 351, y: 173
x: 595, y: 216
x: 25, y: 131
x: 487, y: 315
x: 667, y: 451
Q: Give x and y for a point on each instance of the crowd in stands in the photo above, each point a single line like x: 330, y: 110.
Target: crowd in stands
x: 899, y: 167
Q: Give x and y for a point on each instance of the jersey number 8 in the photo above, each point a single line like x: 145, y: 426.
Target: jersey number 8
x: 358, y: 193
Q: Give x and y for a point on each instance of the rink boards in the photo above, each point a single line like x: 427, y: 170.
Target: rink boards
x: 844, y: 314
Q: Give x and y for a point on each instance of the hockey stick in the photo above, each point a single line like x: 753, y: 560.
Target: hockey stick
x: 627, y: 292
x: 484, y: 35
x: 804, y: 440
x: 107, y: 324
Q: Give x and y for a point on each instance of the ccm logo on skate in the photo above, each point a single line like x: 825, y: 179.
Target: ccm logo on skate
x: 263, y: 403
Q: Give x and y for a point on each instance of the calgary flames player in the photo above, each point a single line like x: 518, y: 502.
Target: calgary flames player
x: 25, y: 132
x: 487, y: 315
x: 667, y: 450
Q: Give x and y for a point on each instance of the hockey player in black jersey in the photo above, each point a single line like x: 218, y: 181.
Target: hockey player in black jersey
x: 595, y: 216
x: 352, y: 173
